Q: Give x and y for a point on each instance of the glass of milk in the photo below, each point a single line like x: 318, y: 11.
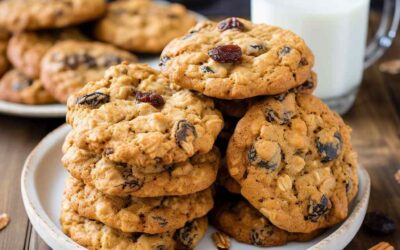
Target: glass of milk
x: 336, y: 32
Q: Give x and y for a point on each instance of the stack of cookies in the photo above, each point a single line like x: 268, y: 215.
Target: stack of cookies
x: 55, y: 46
x: 142, y: 161
x: 290, y: 169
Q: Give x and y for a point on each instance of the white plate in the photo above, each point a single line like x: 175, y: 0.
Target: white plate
x: 42, y: 184
x: 59, y: 110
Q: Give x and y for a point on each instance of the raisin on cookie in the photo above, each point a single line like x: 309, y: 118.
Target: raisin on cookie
x: 134, y: 115
x: 19, y: 15
x: 118, y: 179
x: 69, y: 65
x: 240, y: 220
x: 26, y: 49
x: 18, y: 88
x: 130, y: 214
x: 143, y: 26
x: 236, y: 59
x: 95, y: 235
x: 294, y: 162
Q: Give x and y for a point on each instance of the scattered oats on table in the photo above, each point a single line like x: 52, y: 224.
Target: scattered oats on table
x: 382, y: 246
x: 397, y: 176
x: 221, y: 240
x: 390, y: 67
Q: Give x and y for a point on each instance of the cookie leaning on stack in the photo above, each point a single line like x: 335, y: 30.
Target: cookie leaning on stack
x: 289, y: 156
x: 136, y: 141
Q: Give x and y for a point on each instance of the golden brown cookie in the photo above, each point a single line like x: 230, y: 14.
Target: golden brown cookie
x: 136, y: 116
x: 244, y: 223
x: 129, y: 214
x: 95, y: 235
x: 143, y: 26
x: 294, y: 162
x: 26, y: 49
x: 118, y: 179
x: 69, y: 65
x: 19, y: 15
x: 236, y: 59
x: 4, y: 63
x: 18, y: 88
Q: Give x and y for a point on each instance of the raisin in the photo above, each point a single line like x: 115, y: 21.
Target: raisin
x: 185, y: 133
x: 135, y: 236
x: 160, y: 220
x: 94, y: 100
x: 21, y: 84
x: 305, y: 86
x: 89, y: 60
x: 160, y: 247
x: 111, y: 60
x: 108, y: 151
x: 132, y: 184
x: 150, y: 97
x: 72, y: 61
x: 163, y: 61
x: 226, y: 54
x: 330, y: 151
x: 230, y: 23
x: 255, y: 160
x: 286, y: 50
x: 273, y: 116
x: 258, y: 236
x: 303, y: 62
x: 379, y: 223
x: 206, y: 69
x: 184, y: 236
x: 316, y: 210
x: 257, y: 46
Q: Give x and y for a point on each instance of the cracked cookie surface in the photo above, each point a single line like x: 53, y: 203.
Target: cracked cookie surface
x: 69, y: 65
x: 18, y: 15
x: 240, y: 220
x: 193, y: 175
x: 236, y: 59
x: 130, y: 214
x: 26, y: 49
x: 143, y: 26
x: 136, y: 116
x: 18, y: 88
x: 95, y: 235
x: 293, y: 159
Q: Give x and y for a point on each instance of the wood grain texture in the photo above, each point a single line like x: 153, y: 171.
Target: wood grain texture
x: 375, y: 119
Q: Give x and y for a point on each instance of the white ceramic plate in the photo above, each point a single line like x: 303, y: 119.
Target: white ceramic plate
x: 42, y: 184
x: 59, y: 110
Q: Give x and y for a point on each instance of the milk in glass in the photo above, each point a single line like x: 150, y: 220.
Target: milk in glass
x: 336, y: 32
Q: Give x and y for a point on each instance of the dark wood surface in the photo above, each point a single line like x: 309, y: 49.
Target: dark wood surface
x: 375, y: 119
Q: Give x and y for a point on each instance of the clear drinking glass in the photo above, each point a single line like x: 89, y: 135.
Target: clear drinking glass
x: 336, y: 31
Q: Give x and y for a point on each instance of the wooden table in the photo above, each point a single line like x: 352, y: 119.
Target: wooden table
x: 375, y: 119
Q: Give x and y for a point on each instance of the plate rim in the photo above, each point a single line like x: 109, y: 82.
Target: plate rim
x: 50, y: 233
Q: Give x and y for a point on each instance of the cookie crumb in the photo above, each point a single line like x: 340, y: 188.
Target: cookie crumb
x: 390, y: 67
x: 382, y: 246
x: 4, y: 220
x: 221, y: 240
x: 397, y: 176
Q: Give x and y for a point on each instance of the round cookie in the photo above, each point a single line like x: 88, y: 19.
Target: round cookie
x: 95, y: 235
x: 130, y: 214
x: 143, y: 26
x: 236, y: 59
x: 136, y: 116
x: 26, y: 49
x: 19, y: 15
x: 293, y: 159
x: 18, y: 88
x: 193, y: 175
x: 244, y: 223
x: 69, y: 65
x: 237, y: 108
